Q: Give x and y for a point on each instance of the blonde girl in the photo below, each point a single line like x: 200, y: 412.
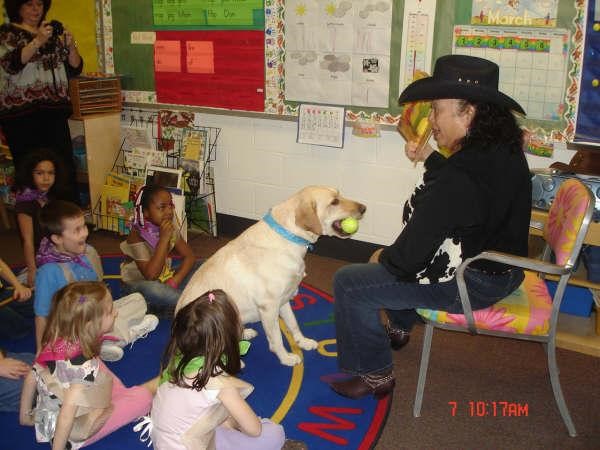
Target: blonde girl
x: 79, y: 400
x: 200, y: 403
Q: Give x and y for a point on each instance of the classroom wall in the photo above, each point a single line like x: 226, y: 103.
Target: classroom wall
x: 259, y: 164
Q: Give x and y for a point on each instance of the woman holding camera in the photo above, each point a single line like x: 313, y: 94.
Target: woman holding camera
x: 36, y: 60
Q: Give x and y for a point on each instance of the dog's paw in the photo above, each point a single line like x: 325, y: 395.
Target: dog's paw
x: 289, y: 359
x: 249, y: 333
x: 307, y: 344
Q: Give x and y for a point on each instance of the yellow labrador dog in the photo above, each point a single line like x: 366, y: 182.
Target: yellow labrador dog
x: 261, y: 269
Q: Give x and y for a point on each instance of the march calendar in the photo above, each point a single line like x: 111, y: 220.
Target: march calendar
x: 533, y: 63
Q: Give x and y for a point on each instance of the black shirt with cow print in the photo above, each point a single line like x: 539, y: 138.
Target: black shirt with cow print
x: 476, y: 200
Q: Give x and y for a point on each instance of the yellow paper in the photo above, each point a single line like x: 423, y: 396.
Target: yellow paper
x: 79, y: 17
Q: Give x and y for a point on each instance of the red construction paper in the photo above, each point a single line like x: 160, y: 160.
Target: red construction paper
x: 238, y: 77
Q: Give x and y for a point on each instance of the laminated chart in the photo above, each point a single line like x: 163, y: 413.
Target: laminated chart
x: 243, y: 13
x: 338, y: 52
x: 533, y: 64
x: 417, y: 39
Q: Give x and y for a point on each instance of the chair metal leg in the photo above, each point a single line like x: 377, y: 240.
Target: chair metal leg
x: 558, y: 395
x: 423, y: 369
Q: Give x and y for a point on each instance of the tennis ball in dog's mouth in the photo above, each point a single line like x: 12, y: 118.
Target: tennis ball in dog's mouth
x: 349, y: 225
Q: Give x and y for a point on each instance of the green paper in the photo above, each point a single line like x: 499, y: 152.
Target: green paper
x: 205, y: 12
x: 230, y: 15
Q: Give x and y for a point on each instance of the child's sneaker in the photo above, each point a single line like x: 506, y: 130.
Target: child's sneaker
x: 141, y: 330
x: 110, y: 351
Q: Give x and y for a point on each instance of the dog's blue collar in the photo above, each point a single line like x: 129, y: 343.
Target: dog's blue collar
x: 269, y: 220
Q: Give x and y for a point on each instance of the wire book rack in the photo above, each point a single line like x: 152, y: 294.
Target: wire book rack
x: 169, y: 136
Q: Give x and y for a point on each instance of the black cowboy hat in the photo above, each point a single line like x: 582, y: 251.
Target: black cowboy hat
x: 461, y: 76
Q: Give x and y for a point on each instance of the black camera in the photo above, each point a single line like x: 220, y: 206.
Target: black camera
x: 57, y: 28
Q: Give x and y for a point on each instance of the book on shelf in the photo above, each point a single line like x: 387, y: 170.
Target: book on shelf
x: 192, y: 160
x: 135, y: 184
x: 117, y: 180
x: 115, y: 206
x: 137, y: 159
x: 137, y: 136
x: 163, y: 176
x: 192, y: 146
x: 202, y: 215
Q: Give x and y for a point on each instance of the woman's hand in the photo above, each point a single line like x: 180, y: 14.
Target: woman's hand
x: 70, y: 41
x: 414, y: 153
x: 44, y: 33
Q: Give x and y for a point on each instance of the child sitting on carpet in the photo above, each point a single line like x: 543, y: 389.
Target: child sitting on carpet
x: 64, y: 257
x: 152, y: 238
x: 199, y: 403
x: 38, y: 180
x: 79, y: 399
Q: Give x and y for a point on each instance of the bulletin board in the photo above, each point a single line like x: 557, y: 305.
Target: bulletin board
x: 79, y: 17
x: 135, y: 62
x: 588, y: 119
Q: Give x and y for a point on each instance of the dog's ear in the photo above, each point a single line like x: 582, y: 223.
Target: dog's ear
x: 306, y: 217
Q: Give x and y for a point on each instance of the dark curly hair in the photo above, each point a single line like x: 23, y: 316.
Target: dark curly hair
x: 13, y: 8
x: 492, y: 124
x: 24, y: 174
x: 209, y: 327
x: 148, y: 193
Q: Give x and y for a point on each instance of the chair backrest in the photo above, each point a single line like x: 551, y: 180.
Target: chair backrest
x: 568, y: 220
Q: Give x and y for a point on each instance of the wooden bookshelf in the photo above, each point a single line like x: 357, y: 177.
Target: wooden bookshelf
x: 102, y: 133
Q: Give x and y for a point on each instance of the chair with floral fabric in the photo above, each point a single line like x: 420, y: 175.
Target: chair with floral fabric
x: 529, y: 313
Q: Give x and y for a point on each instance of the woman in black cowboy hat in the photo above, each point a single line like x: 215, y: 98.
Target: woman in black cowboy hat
x: 477, y: 199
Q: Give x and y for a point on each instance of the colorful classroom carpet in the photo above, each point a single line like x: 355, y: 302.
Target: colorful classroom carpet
x: 297, y: 397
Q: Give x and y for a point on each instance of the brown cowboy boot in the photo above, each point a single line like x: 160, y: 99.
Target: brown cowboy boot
x: 379, y: 385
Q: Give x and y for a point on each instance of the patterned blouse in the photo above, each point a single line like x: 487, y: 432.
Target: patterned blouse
x: 41, y: 83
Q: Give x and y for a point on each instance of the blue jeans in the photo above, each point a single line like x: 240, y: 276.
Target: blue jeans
x: 362, y: 290
x: 10, y: 390
x: 160, y: 297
